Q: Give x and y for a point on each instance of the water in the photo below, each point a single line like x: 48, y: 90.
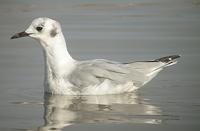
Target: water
x: 117, y: 30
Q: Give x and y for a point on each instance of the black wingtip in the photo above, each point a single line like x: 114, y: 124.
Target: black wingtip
x: 167, y: 59
x: 13, y: 37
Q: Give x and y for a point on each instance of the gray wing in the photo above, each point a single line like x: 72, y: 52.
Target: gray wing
x: 96, y: 71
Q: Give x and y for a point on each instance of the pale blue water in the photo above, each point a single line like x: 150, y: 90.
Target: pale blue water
x: 112, y: 29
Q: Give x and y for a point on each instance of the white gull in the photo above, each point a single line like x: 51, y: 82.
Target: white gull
x: 64, y: 75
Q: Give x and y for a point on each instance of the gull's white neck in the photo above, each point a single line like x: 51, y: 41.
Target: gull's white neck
x: 58, y: 61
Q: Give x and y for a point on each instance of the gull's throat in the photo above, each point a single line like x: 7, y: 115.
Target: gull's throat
x: 57, y: 58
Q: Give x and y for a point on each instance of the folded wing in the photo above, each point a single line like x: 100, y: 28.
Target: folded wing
x: 96, y: 71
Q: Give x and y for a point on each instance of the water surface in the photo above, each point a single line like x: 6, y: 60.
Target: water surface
x: 111, y: 29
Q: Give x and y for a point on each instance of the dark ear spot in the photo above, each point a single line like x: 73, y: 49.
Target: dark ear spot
x: 53, y: 32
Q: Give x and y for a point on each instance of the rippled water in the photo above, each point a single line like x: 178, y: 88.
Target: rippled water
x: 112, y: 29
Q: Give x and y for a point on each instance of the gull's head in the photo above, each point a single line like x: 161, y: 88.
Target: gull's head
x: 41, y: 29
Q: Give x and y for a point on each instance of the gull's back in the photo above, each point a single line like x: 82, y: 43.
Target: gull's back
x: 107, y: 77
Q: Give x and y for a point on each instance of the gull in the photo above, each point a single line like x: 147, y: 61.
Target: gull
x: 67, y: 76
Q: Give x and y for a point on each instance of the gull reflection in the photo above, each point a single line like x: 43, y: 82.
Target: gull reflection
x: 61, y: 111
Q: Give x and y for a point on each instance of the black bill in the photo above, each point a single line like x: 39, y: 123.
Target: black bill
x: 18, y: 35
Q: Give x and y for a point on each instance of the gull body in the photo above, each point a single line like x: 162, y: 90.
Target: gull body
x: 64, y: 75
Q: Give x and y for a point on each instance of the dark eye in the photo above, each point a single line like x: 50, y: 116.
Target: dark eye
x: 39, y: 28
